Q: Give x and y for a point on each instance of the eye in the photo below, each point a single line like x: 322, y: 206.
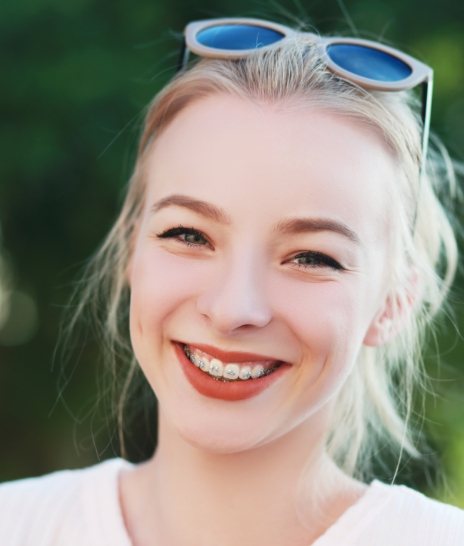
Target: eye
x: 189, y: 236
x: 316, y: 260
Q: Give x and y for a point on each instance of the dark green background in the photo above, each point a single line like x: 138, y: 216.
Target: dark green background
x: 75, y: 78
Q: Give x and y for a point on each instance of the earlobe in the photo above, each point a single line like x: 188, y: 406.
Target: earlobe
x: 395, y: 313
x: 381, y: 330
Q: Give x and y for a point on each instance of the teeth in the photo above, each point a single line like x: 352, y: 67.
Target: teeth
x: 204, y: 365
x: 245, y: 372
x: 228, y: 372
x: 216, y: 368
x: 232, y: 371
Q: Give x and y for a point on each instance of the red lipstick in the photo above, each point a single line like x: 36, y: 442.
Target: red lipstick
x: 232, y: 356
x: 213, y: 387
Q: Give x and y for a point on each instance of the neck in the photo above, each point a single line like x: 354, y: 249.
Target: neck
x: 277, y: 492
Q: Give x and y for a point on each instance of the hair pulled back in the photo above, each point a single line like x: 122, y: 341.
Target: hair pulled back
x: 375, y: 404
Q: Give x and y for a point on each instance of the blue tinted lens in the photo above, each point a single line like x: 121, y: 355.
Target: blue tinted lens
x: 236, y: 37
x: 368, y: 62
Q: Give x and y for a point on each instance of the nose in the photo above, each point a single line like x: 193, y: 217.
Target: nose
x: 236, y: 298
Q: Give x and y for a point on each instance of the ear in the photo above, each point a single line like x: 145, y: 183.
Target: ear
x: 383, y: 328
x: 394, y: 313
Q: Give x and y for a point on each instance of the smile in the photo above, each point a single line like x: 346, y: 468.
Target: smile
x: 232, y: 371
x: 233, y: 377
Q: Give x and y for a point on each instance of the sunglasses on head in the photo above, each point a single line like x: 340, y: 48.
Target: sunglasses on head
x: 369, y: 64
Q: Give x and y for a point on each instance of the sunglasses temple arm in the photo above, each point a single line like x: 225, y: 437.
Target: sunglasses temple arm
x: 183, y: 57
x: 427, y: 91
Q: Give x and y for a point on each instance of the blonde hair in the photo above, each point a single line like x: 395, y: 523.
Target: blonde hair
x: 376, y: 403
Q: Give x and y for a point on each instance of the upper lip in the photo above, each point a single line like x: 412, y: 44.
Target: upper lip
x: 231, y: 356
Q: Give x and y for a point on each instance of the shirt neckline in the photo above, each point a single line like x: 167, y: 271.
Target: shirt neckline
x: 357, y: 517
x: 107, y: 505
x: 343, y: 531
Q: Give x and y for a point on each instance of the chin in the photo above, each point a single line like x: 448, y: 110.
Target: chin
x: 221, y: 441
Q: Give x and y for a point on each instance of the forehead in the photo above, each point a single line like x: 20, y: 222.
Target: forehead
x: 277, y: 159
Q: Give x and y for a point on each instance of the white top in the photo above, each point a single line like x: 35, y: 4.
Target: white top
x: 81, y: 508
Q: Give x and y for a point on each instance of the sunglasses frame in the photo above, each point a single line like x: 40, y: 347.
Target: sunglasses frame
x: 420, y: 72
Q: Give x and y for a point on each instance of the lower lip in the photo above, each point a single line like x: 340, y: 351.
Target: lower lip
x: 225, y: 390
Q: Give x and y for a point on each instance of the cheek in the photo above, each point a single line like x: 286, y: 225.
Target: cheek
x: 328, y: 318
x: 160, y: 283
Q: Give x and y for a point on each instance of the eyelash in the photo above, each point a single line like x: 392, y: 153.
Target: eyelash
x: 317, y: 259
x: 175, y: 233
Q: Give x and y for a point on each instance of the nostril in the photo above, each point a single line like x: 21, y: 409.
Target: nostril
x: 228, y: 311
x: 237, y: 296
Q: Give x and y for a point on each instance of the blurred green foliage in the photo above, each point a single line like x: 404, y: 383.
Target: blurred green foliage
x: 76, y: 76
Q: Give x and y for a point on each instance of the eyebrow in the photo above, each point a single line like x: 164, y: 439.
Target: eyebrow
x: 201, y: 207
x: 295, y: 226
x: 291, y: 226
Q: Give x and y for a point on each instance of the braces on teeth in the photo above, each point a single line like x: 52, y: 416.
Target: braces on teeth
x: 227, y: 372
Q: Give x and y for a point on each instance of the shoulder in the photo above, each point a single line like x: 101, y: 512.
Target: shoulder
x: 64, y: 507
x: 405, y: 516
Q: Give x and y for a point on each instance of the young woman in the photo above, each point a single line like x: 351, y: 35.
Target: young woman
x: 279, y: 253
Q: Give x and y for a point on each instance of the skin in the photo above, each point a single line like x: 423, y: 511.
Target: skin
x: 246, y: 287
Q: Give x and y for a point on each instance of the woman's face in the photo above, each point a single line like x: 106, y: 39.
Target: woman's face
x: 264, y: 232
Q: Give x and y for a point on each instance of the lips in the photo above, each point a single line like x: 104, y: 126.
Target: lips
x: 230, y: 390
x: 232, y: 356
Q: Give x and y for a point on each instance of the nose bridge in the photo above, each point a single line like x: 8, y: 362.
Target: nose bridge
x: 237, y: 296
